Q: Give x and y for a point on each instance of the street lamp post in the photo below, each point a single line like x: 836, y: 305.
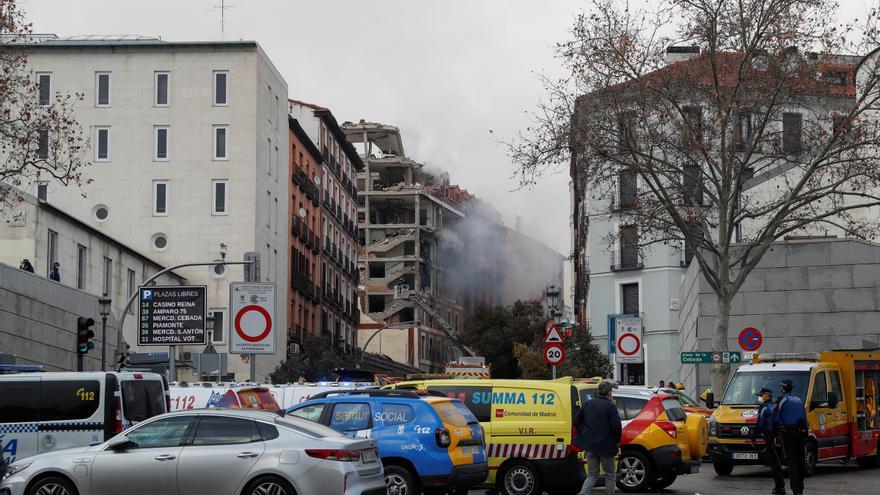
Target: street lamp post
x: 104, y: 302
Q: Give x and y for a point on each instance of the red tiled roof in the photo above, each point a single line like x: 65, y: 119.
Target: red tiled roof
x: 698, y: 72
x: 306, y: 104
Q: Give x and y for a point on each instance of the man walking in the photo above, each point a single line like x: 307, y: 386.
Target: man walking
x: 598, y: 433
x: 791, y: 420
x: 767, y: 430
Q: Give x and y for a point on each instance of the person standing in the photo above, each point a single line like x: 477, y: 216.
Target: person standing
x: 791, y: 419
x: 598, y: 433
x: 662, y: 384
x: 767, y: 430
x: 55, y: 273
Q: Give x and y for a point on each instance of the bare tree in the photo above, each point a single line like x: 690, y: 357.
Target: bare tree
x: 762, y: 125
x: 40, y: 138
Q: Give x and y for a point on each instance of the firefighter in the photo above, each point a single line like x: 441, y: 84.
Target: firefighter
x: 767, y: 430
x: 790, y: 419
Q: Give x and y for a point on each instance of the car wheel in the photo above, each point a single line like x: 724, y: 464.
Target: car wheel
x: 810, y: 459
x: 664, y: 481
x: 722, y: 468
x: 520, y: 478
x: 398, y: 481
x: 634, y: 472
x: 270, y: 485
x: 52, y: 485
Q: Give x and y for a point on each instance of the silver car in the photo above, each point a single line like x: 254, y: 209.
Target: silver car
x: 208, y: 451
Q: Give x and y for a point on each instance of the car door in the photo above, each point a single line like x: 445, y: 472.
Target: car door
x: 223, y: 451
x: 147, y: 465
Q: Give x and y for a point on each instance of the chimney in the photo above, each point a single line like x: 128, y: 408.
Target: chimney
x: 678, y: 53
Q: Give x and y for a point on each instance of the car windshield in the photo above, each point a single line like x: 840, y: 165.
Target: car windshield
x: 745, y: 384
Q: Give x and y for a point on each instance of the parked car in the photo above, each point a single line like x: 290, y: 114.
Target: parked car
x: 210, y: 451
x: 660, y: 440
x: 42, y: 412
x: 528, y: 425
x: 689, y: 404
x: 426, y: 442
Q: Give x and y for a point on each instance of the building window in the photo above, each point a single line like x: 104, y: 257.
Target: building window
x: 627, y: 258
x: 275, y: 214
x: 275, y: 162
x: 629, y: 296
x: 43, y: 144
x: 743, y: 130
x: 161, y: 89
x: 220, y: 87
x: 132, y: 285
x: 160, y: 143
x: 44, y: 81
x: 43, y: 191
x: 108, y: 276
x: 219, y: 191
x: 52, y: 250
x: 692, y: 131
x: 269, y: 156
x: 100, y: 212
x: 160, y: 198
x: 216, y: 322
x: 81, y: 265
x: 220, y: 142
x: 792, y: 124
x: 102, y: 144
x: 102, y: 91
x: 159, y: 241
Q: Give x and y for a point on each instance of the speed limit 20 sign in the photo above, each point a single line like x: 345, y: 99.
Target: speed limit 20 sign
x: 554, y: 354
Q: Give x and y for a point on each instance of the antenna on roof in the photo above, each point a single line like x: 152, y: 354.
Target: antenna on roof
x: 222, y: 8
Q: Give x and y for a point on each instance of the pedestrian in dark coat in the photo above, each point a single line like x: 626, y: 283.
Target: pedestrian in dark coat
x: 26, y: 265
x: 598, y: 433
x: 55, y: 273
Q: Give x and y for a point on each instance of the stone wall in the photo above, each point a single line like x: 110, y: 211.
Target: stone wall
x: 38, y: 322
x: 804, y: 296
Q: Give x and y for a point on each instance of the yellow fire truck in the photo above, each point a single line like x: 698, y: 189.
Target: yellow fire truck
x: 839, y: 390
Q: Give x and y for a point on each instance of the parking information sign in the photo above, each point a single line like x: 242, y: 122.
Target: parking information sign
x: 629, y: 340
x: 172, y: 315
x: 252, y: 307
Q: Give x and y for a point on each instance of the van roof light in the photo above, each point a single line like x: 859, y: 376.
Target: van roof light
x: 775, y: 357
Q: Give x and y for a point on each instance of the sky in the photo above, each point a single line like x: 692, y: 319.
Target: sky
x: 446, y: 72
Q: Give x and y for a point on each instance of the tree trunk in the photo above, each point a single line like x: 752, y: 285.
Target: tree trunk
x: 720, y: 372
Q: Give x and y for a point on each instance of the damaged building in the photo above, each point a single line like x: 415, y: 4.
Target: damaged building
x: 403, y: 213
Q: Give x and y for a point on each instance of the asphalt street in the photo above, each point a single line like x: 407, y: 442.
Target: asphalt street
x: 830, y: 479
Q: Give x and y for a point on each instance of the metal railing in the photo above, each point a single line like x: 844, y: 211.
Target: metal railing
x: 626, y: 259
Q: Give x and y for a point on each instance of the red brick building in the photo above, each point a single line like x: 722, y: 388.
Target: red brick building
x: 306, y: 171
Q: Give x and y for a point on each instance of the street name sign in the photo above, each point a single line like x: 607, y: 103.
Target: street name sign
x: 252, y: 306
x: 172, y: 315
x: 703, y: 357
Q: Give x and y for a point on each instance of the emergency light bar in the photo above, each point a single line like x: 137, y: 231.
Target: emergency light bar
x: 775, y: 357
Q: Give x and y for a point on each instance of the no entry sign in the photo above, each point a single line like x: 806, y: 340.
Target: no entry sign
x: 253, y: 318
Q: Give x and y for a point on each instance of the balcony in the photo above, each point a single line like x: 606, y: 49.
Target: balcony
x: 626, y: 259
x: 297, y: 227
x: 326, y: 198
x: 627, y: 194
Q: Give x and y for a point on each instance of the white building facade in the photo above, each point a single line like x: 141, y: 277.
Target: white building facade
x: 189, y: 152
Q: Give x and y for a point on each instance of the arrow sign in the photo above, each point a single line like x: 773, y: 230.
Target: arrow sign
x: 553, y: 336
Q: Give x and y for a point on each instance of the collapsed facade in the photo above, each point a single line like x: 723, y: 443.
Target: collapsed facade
x: 403, y: 213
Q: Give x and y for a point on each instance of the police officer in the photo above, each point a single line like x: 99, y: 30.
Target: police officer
x: 791, y: 419
x: 767, y: 430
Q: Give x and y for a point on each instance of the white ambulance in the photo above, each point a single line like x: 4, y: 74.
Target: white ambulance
x: 42, y: 412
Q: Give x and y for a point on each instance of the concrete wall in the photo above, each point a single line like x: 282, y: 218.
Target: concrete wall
x: 803, y: 296
x: 38, y: 322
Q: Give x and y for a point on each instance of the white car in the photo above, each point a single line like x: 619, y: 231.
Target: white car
x: 212, y: 452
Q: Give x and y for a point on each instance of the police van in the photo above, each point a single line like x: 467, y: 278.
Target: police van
x: 42, y: 412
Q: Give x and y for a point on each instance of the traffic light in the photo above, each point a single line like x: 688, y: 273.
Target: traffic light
x: 84, y: 335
